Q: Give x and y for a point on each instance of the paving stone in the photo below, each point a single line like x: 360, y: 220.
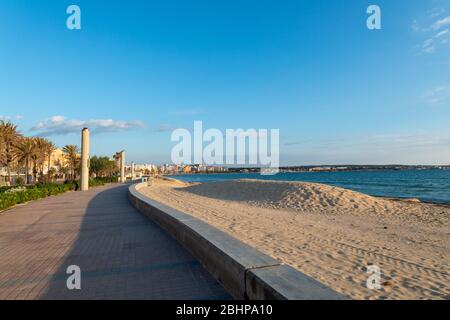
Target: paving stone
x: 121, y: 254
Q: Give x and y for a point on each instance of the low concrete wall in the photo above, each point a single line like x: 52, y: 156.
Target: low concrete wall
x: 244, y: 272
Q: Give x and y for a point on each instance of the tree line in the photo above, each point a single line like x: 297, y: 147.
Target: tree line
x: 31, y: 155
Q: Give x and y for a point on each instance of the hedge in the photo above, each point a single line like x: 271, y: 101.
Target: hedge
x: 4, y: 188
x: 15, y: 196
x: 11, y: 196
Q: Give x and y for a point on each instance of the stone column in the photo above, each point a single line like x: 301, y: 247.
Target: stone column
x: 85, y: 159
x: 123, y: 178
x: 132, y: 170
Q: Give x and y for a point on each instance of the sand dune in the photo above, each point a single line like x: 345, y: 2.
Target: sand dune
x: 329, y: 233
x: 318, y: 198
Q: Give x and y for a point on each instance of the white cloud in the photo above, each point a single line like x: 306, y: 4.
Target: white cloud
x: 437, y: 95
x: 432, y: 26
x: 441, y: 23
x: 59, y: 125
x: 441, y: 34
x: 429, y: 45
x: 430, y: 49
x: 436, y: 12
x: 7, y: 118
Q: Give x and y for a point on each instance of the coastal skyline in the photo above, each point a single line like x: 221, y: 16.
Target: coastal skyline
x: 338, y: 92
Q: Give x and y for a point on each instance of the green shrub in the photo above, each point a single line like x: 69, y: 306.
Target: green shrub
x: 100, y: 181
x: 10, y: 196
x: 20, y: 181
x: 4, y: 188
x: 105, y: 180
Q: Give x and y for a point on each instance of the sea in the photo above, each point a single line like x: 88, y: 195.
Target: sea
x: 425, y: 185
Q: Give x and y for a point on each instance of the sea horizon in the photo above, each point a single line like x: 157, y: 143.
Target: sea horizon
x: 425, y: 185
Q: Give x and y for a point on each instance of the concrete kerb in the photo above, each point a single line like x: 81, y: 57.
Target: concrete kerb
x: 245, y: 272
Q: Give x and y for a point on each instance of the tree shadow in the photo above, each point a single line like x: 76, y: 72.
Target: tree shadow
x: 123, y: 255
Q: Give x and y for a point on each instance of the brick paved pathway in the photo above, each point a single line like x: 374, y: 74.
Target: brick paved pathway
x: 122, y: 255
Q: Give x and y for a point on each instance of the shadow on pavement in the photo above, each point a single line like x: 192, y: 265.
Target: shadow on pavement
x: 123, y: 255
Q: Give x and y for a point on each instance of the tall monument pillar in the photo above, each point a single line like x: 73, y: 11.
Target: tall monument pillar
x: 85, y: 159
x: 123, y: 178
x: 132, y: 170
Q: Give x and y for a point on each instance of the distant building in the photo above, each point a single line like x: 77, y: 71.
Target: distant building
x: 58, y: 162
x: 187, y: 169
x: 141, y: 170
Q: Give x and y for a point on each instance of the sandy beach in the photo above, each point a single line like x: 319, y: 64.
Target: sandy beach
x: 329, y: 233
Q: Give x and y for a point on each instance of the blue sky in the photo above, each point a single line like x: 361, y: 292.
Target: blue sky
x: 338, y: 92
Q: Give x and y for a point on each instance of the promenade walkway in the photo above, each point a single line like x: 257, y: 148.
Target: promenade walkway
x: 121, y: 254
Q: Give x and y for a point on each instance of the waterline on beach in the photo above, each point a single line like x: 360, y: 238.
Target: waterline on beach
x: 425, y: 185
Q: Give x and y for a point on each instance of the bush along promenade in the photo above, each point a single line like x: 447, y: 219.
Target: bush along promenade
x: 33, y: 165
x: 11, y: 196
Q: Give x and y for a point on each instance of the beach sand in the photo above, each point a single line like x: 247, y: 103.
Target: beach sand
x: 329, y: 233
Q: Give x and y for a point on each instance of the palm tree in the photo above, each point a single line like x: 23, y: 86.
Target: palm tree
x: 71, y: 153
x: 49, y: 149
x: 25, y: 150
x: 9, y: 135
x: 41, y: 155
x: 2, y: 151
